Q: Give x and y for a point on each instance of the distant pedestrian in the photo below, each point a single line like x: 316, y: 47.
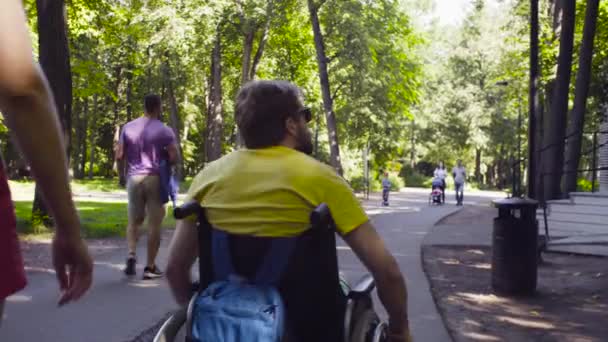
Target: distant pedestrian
x: 460, y: 175
x: 145, y: 143
x: 441, y: 173
x: 386, y: 188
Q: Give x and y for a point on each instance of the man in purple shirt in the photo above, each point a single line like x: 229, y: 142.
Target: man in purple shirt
x: 144, y: 142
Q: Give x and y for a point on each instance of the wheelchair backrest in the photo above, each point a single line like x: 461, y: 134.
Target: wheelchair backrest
x: 310, y: 285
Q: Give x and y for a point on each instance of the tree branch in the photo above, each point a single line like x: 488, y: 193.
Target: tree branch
x: 263, y: 39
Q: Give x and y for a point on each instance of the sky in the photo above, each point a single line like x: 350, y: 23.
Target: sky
x: 451, y: 11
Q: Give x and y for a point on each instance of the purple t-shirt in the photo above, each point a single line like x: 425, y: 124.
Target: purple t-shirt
x: 145, y: 140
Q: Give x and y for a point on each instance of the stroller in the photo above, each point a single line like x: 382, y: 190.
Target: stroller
x: 436, y: 195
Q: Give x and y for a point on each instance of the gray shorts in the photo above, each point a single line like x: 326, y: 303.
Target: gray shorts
x: 144, y: 198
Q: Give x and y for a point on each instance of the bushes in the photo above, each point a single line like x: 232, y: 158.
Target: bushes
x: 413, y: 178
x: 584, y: 185
x: 358, y: 183
x: 396, y: 182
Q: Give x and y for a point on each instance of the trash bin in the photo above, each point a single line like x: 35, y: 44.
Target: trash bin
x: 514, y: 246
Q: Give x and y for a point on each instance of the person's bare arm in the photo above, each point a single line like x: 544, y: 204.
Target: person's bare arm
x: 370, y: 249
x: 119, y: 151
x: 183, y: 251
x: 173, y: 153
x: 27, y: 105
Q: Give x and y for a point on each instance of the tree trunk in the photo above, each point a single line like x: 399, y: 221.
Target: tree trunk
x: 413, y: 145
x: 533, y: 100
x: 215, y: 120
x: 478, y: 165
x: 559, y: 107
x: 54, y: 58
x: 129, y: 94
x: 332, y: 130
x: 248, y: 37
x: 583, y: 79
x: 112, y: 164
x: 81, y: 138
x: 76, y: 151
x: 263, y: 40
x: 174, y: 118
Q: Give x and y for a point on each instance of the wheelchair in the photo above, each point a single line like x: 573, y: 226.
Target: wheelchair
x: 320, y: 306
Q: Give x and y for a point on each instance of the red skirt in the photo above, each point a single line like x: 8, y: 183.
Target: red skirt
x: 12, y: 274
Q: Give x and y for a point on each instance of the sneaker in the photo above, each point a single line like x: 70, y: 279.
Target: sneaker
x: 152, y: 272
x: 130, y: 268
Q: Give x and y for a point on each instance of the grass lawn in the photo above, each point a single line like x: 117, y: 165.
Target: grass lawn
x: 99, y: 219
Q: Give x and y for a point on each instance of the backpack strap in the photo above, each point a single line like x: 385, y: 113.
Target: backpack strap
x: 269, y: 272
x: 275, y: 261
x: 220, y: 255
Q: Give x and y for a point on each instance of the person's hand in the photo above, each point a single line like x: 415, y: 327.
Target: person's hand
x: 73, y: 266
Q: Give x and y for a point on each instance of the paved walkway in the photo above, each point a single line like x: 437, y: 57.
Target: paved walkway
x: 119, y: 309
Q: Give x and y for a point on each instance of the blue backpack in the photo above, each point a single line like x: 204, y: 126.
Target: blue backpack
x: 235, y: 309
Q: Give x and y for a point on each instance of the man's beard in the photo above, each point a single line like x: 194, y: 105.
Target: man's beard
x: 304, y: 141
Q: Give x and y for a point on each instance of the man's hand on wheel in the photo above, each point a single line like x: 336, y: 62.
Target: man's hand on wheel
x: 73, y: 266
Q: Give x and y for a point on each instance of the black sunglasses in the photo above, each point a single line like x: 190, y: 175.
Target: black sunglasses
x: 307, y: 113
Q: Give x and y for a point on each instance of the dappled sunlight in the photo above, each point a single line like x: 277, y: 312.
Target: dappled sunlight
x: 482, y: 266
x: 39, y: 270
x: 569, y: 304
x: 115, y: 266
x: 144, y: 284
x: 19, y: 298
x: 478, y: 298
x: 527, y: 322
x: 480, y: 337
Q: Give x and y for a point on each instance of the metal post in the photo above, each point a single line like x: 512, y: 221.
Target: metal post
x: 594, y: 162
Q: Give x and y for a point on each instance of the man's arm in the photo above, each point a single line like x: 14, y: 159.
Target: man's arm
x: 173, y: 153
x: 27, y: 105
x: 182, y: 254
x: 370, y: 249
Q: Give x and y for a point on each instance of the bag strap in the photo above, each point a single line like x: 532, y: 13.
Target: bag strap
x: 275, y: 262
x: 269, y: 272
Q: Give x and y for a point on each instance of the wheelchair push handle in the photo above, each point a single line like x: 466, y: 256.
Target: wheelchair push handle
x: 187, y: 210
x: 321, y: 216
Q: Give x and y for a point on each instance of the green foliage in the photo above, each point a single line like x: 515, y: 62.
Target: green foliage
x: 99, y: 219
x: 585, y: 185
x: 413, y: 178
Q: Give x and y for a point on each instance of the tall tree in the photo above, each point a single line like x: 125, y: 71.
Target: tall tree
x: 332, y: 131
x: 173, y: 114
x: 533, y: 100
x: 55, y: 61
x: 583, y: 80
x: 215, y: 119
x: 554, y: 160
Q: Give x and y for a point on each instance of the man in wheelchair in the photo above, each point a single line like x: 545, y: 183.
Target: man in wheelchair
x: 267, y: 192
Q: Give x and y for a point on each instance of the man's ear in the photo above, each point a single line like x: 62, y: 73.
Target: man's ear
x: 292, y: 126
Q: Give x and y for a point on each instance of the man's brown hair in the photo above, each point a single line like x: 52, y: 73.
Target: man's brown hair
x: 261, y: 110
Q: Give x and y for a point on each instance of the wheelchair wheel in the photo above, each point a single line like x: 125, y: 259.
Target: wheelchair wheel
x: 365, y: 329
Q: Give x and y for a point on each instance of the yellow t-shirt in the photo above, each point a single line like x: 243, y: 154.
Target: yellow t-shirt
x: 271, y: 192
